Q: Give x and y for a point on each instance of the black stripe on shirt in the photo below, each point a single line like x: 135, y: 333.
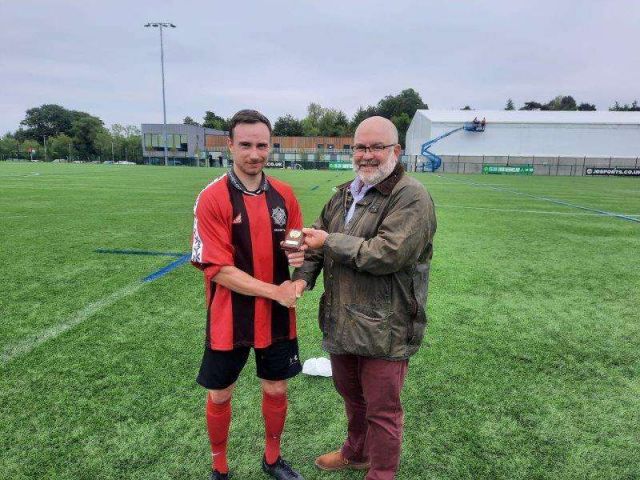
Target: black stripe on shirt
x: 279, y: 313
x: 242, y: 306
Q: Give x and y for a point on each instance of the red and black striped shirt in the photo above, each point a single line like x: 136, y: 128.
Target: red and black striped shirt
x: 236, y: 227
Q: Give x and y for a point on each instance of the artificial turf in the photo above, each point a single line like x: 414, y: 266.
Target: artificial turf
x: 530, y: 368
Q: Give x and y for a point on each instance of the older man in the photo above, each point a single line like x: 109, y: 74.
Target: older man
x: 374, y: 241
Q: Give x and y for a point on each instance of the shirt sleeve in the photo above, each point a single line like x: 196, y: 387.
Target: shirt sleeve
x: 211, y: 242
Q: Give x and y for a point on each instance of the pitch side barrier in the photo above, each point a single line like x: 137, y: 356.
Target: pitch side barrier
x: 615, y: 171
x: 542, y: 165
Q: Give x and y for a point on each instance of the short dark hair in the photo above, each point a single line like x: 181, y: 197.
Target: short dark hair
x: 248, y: 116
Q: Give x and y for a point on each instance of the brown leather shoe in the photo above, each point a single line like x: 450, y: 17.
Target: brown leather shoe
x: 333, y: 461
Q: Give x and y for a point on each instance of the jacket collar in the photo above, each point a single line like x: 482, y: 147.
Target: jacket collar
x: 385, y: 187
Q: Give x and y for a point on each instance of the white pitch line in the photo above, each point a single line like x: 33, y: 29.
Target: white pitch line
x: 543, y: 212
x: 130, y: 212
x: 28, y: 344
x: 18, y: 175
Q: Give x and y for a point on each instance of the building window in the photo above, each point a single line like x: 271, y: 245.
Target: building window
x: 276, y: 145
x: 346, y: 146
x: 175, y: 141
x: 330, y: 146
x: 320, y: 146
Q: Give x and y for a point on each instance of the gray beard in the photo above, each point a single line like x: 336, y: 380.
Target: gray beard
x: 376, y: 177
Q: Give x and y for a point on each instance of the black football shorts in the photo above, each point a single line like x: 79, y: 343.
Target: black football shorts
x: 279, y: 361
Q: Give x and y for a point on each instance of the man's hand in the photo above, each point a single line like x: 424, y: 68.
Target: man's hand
x: 286, y: 294
x: 300, y: 286
x: 296, y: 259
x: 314, y: 239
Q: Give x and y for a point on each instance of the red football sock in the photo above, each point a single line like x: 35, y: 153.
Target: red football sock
x: 218, y: 420
x: 274, y: 411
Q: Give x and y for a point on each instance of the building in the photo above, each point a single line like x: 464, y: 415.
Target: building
x: 332, y: 153
x: 186, y: 144
x: 200, y: 146
x: 301, y: 144
x: 555, y: 143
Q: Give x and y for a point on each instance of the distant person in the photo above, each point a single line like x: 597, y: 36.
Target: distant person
x: 240, y: 220
x: 373, y: 240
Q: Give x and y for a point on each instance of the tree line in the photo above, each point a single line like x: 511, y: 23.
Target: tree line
x: 55, y: 132
x: 568, y: 103
x: 71, y: 134
x: 331, y: 122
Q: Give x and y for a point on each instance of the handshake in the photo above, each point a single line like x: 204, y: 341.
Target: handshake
x: 295, y: 244
x: 287, y: 293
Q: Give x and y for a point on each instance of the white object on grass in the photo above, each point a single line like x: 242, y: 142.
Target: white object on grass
x: 317, y: 366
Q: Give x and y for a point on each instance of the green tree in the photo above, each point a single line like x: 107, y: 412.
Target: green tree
x: 466, y: 107
x: 211, y: 120
x: 333, y: 123
x: 310, y: 123
x: 190, y: 121
x: 85, y: 131
x: 288, y: 126
x: 360, y: 115
x: 104, y: 143
x: 532, y: 106
x: 59, y: 146
x: 127, y: 141
x: 510, y: 105
x: 133, y: 148
x: 9, y: 147
x: 27, y: 146
x: 402, y: 123
x: 587, y: 107
x: 625, y: 108
x: 48, y: 119
x: 562, y: 103
x: 407, y: 101
x: 327, y: 122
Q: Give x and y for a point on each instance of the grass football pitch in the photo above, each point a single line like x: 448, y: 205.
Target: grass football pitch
x: 530, y: 368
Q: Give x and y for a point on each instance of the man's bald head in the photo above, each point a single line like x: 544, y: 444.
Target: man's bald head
x: 380, y: 127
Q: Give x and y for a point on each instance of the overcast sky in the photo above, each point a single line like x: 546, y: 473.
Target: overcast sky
x: 279, y: 55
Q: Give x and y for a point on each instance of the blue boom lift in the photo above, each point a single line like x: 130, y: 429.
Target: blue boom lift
x: 434, y: 161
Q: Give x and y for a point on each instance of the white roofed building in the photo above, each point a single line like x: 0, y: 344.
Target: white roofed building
x: 550, y: 138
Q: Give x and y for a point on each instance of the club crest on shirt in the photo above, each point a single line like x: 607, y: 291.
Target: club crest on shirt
x: 238, y: 219
x: 279, y: 216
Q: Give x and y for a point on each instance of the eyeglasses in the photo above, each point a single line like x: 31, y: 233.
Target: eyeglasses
x: 376, y: 148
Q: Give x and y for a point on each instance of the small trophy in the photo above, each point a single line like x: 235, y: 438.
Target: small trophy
x: 293, y: 240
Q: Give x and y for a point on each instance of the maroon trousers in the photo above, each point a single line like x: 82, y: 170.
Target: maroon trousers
x: 371, y: 389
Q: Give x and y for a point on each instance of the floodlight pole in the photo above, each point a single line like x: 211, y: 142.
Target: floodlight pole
x: 160, y: 25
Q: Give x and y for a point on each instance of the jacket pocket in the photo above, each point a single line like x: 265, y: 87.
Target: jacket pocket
x: 367, y: 331
x: 417, y: 327
x: 322, y: 309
